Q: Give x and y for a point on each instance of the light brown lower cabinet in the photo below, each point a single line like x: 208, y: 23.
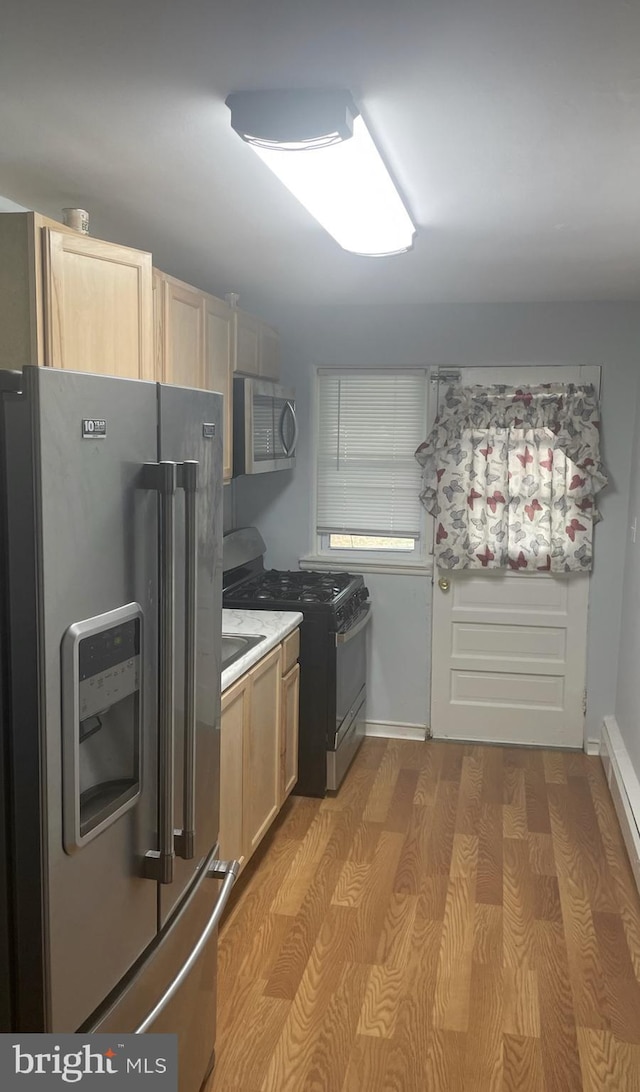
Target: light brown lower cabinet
x: 289, y: 733
x: 258, y: 750
x: 233, y: 729
x: 261, y: 801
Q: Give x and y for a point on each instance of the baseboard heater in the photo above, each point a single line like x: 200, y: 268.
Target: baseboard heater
x: 625, y: 789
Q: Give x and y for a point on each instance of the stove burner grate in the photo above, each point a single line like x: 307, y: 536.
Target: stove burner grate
x: 294, y: 587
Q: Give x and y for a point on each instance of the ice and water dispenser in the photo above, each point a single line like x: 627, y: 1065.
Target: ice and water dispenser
x: 102, y: 721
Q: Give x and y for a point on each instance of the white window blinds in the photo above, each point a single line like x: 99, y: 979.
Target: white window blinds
x: 370, y: 424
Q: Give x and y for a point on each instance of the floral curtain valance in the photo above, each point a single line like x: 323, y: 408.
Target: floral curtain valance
x: 510, y: 475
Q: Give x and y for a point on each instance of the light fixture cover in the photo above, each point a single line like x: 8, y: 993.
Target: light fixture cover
x: 305, y: 118
x: 318, y: 145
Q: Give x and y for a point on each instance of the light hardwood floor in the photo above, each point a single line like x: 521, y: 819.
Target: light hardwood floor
x: 457, y: 918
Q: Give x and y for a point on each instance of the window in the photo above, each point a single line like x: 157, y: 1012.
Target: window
x: 368, y: 481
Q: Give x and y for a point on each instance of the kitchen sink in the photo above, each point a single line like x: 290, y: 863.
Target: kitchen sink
x: 234, y: 645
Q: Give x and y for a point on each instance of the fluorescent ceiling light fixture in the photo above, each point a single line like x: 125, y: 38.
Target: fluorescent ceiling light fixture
x: 318, y: 145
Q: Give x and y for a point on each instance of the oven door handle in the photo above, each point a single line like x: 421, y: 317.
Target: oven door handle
x: 364, y: 617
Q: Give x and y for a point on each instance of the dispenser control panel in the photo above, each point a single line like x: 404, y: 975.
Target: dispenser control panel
x: 108, y: 667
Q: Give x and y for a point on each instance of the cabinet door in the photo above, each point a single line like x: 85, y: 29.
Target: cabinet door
x: 262, y: 757
x: 157, y: 293
x: 269, y: 353
x: 218, y: 367
x: 234, y: 729
x: 246, y: 354
x: 22, y: 338
x: 289, y: 731
x: 98, y: 308
x: 183, y: 334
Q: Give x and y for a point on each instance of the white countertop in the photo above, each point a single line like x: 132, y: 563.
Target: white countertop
x: 274, y: 624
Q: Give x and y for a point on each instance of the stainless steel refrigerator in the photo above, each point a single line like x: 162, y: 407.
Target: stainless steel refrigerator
x: 110, y: 540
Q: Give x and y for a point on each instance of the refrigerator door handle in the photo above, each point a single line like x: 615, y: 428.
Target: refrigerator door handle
x: 162, y: 476
x: 184, y: 840
x: 217, y: 870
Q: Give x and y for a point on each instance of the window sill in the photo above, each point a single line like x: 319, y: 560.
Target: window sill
x: 321, y: 562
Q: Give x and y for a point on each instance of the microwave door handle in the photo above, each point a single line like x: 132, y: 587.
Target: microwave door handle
x: 184, y: 840
x: 289, y: 451
x: 158, y: 864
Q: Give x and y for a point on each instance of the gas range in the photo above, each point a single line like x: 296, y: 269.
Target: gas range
x: 333, y: 652
x: 340, y: 595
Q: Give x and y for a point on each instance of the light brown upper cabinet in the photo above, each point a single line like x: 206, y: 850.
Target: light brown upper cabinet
x: 269, y: 353
x: 194, y: 344
x: 70, y: 301
x: 179, y: 317
x: 256, y: 347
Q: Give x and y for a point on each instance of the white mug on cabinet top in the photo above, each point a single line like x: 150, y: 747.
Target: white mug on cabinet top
x: 77, y: 219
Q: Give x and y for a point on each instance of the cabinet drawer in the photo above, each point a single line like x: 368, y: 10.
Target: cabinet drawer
x: 290, y: 651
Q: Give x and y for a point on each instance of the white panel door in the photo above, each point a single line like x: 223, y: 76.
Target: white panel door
x: 509, y: 649
x: 509, y: 656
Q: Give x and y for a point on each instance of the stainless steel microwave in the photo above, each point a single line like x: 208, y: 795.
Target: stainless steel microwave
x: 265, y: 427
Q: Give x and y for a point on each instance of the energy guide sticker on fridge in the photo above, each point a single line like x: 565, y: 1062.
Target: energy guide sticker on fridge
x: 115, y: 1062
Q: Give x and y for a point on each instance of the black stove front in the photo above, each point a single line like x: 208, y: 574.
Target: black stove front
x: 335, y: 611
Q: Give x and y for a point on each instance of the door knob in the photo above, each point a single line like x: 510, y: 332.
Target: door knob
x: 444, y: 584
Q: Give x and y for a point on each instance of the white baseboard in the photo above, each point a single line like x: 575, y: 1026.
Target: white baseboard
x: 394, y: 730
x: 592, y: 746
x: 625, y: 789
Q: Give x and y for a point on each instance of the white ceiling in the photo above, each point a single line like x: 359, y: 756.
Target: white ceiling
x: 512, y: 126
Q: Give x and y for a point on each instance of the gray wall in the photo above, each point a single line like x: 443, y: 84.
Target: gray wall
x: 10, y: 206
x: 627, y: 708
x: 457, y: 335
